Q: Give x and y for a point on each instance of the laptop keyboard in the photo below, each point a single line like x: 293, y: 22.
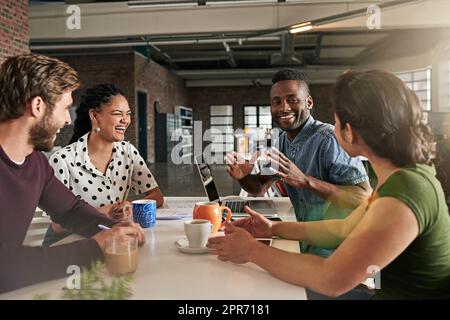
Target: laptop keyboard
x: 236, y: 206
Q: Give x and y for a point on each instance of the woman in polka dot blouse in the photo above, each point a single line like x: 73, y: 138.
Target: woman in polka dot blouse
x: 99, y: 165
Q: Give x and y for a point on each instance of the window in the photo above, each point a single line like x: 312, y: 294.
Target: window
x: 257, y: 116
x: 420, y: 82
x: 222, y: 129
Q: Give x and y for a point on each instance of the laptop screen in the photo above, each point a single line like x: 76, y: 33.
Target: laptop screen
x: 207, y: 178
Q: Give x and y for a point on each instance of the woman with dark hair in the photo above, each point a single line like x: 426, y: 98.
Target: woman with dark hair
x: 99, y: 165
x: 403, y: 229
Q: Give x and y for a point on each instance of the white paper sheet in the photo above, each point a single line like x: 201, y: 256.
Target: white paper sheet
x: 175, y: 211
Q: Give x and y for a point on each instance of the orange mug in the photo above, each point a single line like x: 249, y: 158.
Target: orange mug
x: 211, y: 211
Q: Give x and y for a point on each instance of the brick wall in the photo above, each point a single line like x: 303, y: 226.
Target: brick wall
x: 95, y: 69
x: 322, y: 109
x: 13, y: 28
x: 160, y: 85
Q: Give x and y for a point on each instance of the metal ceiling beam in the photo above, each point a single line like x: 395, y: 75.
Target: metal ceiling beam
x: 245, y: 82
x: 196, y: 59
x: 246, y: 73
x: 246, y: 77
x: 52, y: 45
x: 176, y: 54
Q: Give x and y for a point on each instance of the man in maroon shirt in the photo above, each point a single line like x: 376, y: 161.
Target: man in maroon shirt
x: 35, y: 97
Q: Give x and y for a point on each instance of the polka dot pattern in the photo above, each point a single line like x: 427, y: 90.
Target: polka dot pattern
x: 127, y: 171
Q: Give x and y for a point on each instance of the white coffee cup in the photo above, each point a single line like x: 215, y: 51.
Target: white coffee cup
x: 197, y: 232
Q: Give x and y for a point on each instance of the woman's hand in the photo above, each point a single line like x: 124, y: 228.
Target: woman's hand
x: 257, y: 225
x: 155, y: 194
x: 122, y: 211
x: 236, y: 246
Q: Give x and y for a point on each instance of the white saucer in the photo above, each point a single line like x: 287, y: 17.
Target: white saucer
x: 183, y: 245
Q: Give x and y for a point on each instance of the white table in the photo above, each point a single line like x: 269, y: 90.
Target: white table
x: 166, y: 273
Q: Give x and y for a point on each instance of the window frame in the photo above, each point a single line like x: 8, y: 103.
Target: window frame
x: 426, y: 104
x: 226, y: 145
x: 258, y: 115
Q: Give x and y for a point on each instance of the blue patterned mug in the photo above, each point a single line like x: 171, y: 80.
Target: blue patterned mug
x: 144, y: 212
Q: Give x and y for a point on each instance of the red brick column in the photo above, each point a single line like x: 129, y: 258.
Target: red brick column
x: 14, y: 35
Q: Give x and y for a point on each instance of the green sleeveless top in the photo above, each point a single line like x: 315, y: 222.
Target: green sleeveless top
x: 422, y: 271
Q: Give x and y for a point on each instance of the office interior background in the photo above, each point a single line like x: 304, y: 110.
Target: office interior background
x: 212, y: 61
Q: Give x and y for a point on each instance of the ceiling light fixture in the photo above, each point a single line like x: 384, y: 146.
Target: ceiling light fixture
x: 300, y: 27
x: 306, y: 26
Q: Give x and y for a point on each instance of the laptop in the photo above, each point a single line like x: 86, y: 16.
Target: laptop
x: 264, y: 206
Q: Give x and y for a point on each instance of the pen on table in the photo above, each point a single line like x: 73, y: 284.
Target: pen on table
x: 103, y: 227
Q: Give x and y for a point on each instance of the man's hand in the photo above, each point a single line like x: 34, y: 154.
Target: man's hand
x: 238, y: 167
x: 139, y: 232
x: 121, y: 229
x: 257, y: 225
x: 236, y: 246
x: 287, y: 170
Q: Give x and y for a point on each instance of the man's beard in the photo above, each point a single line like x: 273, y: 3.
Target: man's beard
x: 300, y: 120
x: 42, y: 135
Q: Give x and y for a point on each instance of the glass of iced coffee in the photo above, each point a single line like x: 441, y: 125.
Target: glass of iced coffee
x: 121, y: 255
